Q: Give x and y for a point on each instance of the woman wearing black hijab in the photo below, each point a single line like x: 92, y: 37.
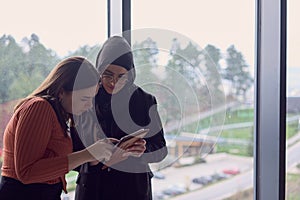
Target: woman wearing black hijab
x: 120, y: 108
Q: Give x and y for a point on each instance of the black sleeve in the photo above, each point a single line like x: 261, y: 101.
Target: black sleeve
x: 156, y: 149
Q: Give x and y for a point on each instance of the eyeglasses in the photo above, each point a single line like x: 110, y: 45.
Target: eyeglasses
x: 120, y: 79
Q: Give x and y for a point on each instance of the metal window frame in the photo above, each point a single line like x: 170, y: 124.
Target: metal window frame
x: 270, y: 100
x: 119, y: 18
x: 114, y: 8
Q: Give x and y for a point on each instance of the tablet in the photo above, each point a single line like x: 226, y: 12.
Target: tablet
x: 132, y: 138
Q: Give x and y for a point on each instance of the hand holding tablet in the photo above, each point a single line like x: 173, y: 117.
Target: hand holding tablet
x: 130, y: 139
x: 122, y: 145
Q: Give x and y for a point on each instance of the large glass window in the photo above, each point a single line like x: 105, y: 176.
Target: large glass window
x: 197, y: 58
x: 35, y: 35
x: 293, y: 102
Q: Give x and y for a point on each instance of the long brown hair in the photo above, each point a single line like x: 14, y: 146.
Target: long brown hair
x: 73, y: 73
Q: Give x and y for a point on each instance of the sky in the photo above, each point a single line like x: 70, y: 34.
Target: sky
x: 217, y: 22
x: 61, y: 25
x: 65, y: 25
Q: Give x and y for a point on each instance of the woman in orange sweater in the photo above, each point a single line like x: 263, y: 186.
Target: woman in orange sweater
x: 37, y: 145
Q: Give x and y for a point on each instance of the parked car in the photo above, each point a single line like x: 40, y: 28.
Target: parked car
x: 159, y: 196
x: 158, y: 175
x: 219, y: 176
x: 231, y: 171
x: 174, y: 190
x: 204, y: 180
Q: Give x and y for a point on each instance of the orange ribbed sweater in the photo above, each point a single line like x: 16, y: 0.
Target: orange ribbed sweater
x: 34, y: 146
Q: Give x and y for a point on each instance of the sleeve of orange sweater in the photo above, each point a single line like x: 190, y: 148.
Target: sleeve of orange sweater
x: 32, y: 135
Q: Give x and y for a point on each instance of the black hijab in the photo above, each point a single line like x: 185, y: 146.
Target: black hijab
x: 116, y: 50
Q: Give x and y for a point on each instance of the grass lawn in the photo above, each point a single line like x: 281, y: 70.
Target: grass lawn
x: 246, y: 134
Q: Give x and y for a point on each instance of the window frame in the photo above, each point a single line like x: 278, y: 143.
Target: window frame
x: 270, y: 100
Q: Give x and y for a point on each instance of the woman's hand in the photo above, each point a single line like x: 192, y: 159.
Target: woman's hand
x: 137, y: 149
x: 120, y: 154
x: 113, y: 141
x: 101, y: 150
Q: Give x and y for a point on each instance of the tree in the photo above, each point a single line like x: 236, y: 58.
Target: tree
x: 149, y: 74
x: 145, y: 52
x: 237, y: 72
x: 145, y: 60
x: 10, y: 60
x: 183, y: 78
x: 33, y: 67
x: 212, y: 72
x: 90, y: 52
x: 41, y: 60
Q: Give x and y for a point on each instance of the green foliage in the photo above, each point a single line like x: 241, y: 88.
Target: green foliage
x: 239, y: 116
x: 145, y: 60
x: 237, y: 72
x: 241, y: 133
x: 233, y: 149
x: 250, y: 147
x: 11, y: 60
x: 186, y: 62
x: 184, y: 78
x: 212, y: 73
x: 90, y: 52
x: 187, y: 83
x: 24, y: 66
x: 292, y: 185
x: 145, y: 52
x: 292, y: 129
x: 246, y: 134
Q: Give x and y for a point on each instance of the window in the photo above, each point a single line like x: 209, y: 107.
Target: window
x: 199, y: 61
x: 165, y: 34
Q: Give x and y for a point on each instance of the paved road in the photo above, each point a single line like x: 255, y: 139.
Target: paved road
x: 222, y: 189
x: 238, y: 183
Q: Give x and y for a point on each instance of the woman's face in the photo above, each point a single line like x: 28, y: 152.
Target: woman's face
x: 78, y: 101
x: 114, y: 78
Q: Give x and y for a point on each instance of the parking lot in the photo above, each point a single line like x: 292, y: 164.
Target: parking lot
x: 178, y: 180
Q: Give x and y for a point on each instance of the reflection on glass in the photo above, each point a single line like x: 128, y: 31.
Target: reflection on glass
x: 198, y: 61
